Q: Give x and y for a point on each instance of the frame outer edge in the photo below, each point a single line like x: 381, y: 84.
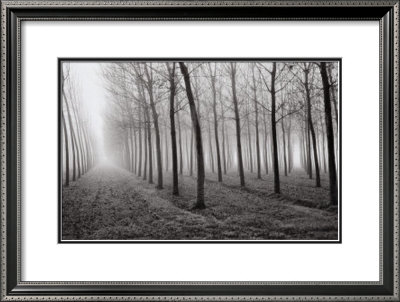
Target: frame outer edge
x: 396, y: 172
x: 3, y: 148
x: 3, y: 145
x: 196, y: 3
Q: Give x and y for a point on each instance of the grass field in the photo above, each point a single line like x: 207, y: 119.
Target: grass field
x: 112, y: 203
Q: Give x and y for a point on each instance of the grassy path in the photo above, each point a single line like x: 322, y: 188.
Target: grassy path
x: 111, y: 203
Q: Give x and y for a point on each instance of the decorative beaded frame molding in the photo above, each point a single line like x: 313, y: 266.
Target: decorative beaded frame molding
x: 6, y: 295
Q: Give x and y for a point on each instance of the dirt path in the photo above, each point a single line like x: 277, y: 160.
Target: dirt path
x: 111, y: 203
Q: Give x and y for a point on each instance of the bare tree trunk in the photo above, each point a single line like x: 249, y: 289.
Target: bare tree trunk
x: 329, y: 135
x: 247, y: 154
x: 284, y: 148
x: 307, y: 153
x: 127, y: 152
x: 219, y: 166
x: 237, y: 121
x: 83, y: 150
x: 323, y: 147
x: 316, y: 165
x: 156, y: 127
x: 223, y: 139
x: 140, y: 141
x: 265, y: 143
x: 277, y: 188
x: 257, y: 134
x: 333, y: 94
x: 78, y: 155
x: 210, y: 147
x: 145, y: 147
x: 311, y: 126
x: 150, y: 148
x: 198, y: 108
x: 228, y: 152
x: 309, y: 164
x: 175, y: 186
x: 70, y: 124
x: 317, y: 137
x: 191, y: 152
x: 73, y: 141
x: 199, y: 145
x: 79, y: 138
x: 280, y: 156
x: 82, y: 147
x: 249, y: 141
x: 93, y: 154
x: 166, y: 153
x: 88, y: 149
x: 180, y: 145
x: 302, y: 154
x: 75, y: 138
x: 271, y: 152
x: 66, y: 150
x: 289, y: 141
x: 187, y: 151
x: 214, y: 93
x: 135, y: 150
x: 335, y: 106
x: 303, y: 145
x: 132, y: 150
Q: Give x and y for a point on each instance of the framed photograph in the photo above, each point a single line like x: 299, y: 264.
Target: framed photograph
x: 212, y: 151
x: 112, y: 117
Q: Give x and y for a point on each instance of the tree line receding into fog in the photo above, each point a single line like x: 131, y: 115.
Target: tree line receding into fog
x: 78, y: 141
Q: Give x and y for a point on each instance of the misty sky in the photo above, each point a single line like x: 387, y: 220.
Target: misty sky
x: 92, y: 94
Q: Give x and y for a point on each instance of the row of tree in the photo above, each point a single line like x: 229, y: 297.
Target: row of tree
x: 77, y: 138
x: 193, y: 112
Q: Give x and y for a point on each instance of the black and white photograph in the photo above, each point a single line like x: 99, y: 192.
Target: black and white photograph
x: 199, y: 150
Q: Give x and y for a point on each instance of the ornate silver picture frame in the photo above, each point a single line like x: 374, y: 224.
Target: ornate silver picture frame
x: 14, y: 13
